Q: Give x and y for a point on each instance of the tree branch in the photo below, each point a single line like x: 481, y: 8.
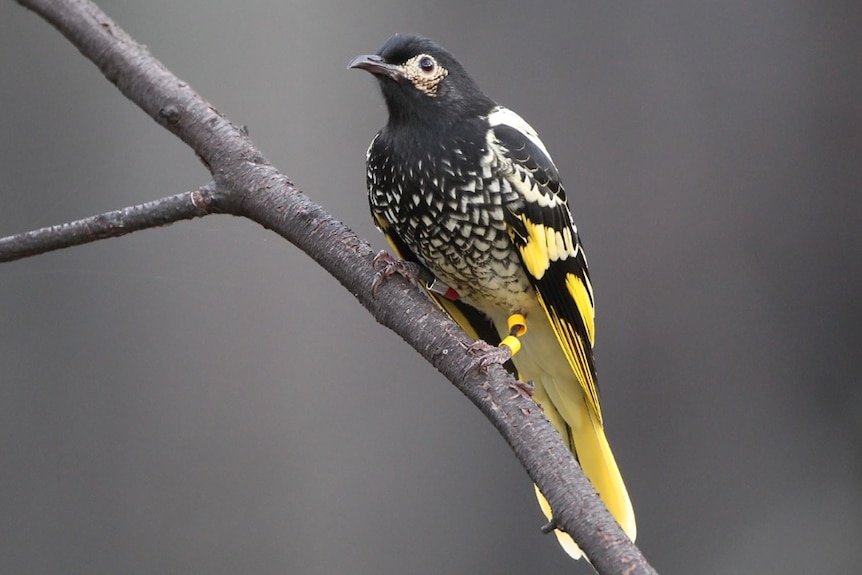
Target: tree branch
x: 251, y: 187
x: 108, y: 225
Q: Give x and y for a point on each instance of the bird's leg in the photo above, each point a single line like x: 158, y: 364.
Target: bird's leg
x: 511, y: 344
x: 517, y: 327
x: 489, y: 355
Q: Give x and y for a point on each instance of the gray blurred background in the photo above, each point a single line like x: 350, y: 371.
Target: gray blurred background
x: 204, y: 399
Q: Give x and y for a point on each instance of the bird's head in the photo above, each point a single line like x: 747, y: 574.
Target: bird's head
x: 422, y: 82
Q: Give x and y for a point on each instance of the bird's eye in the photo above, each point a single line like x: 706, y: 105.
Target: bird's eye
x: 427, y: 63
x: 425, y: 73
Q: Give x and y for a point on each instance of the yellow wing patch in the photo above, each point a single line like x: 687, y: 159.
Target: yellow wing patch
x: 545, y: 245
x: 541, y: 247
x: 582, y: 293
x: 534, y: 254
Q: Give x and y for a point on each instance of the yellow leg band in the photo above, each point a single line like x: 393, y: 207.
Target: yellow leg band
x: 517, y: 325
x: 512, y: 343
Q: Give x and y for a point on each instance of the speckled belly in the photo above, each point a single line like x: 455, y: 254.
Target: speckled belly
x: 479, y: 262
x: 453, y: 218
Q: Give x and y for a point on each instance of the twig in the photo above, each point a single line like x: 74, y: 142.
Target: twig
x: 108, y: 225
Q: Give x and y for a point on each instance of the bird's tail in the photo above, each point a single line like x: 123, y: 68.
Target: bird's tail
x: 586, y: 438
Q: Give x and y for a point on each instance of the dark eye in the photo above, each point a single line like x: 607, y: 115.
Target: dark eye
x: 427, y: 63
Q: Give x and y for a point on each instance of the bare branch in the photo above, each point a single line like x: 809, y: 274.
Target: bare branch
x: 251, y: 187
x: 108, y: 225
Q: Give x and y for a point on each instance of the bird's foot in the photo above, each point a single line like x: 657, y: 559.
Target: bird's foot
x: 487, y: 355
x: 388, y: 266
x: 523, y: 388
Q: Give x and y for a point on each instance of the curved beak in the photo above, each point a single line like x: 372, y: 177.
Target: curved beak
x: 375, y: 64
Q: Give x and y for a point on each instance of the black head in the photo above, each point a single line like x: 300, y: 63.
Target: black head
x: 422, y: 82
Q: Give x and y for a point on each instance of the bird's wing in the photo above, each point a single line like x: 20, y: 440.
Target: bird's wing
x: 542, y: 229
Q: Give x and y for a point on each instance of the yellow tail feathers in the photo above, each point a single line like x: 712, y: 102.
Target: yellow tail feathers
x: 596, y: 459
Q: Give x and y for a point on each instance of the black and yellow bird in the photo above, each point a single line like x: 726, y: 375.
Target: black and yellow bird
x: 465, y: 190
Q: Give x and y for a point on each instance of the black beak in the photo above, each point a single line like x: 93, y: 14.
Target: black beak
x: 375, y: 64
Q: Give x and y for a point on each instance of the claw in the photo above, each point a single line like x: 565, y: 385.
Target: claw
x: 487, y: 355
x: 389, y: 266
x: 523, y: 388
